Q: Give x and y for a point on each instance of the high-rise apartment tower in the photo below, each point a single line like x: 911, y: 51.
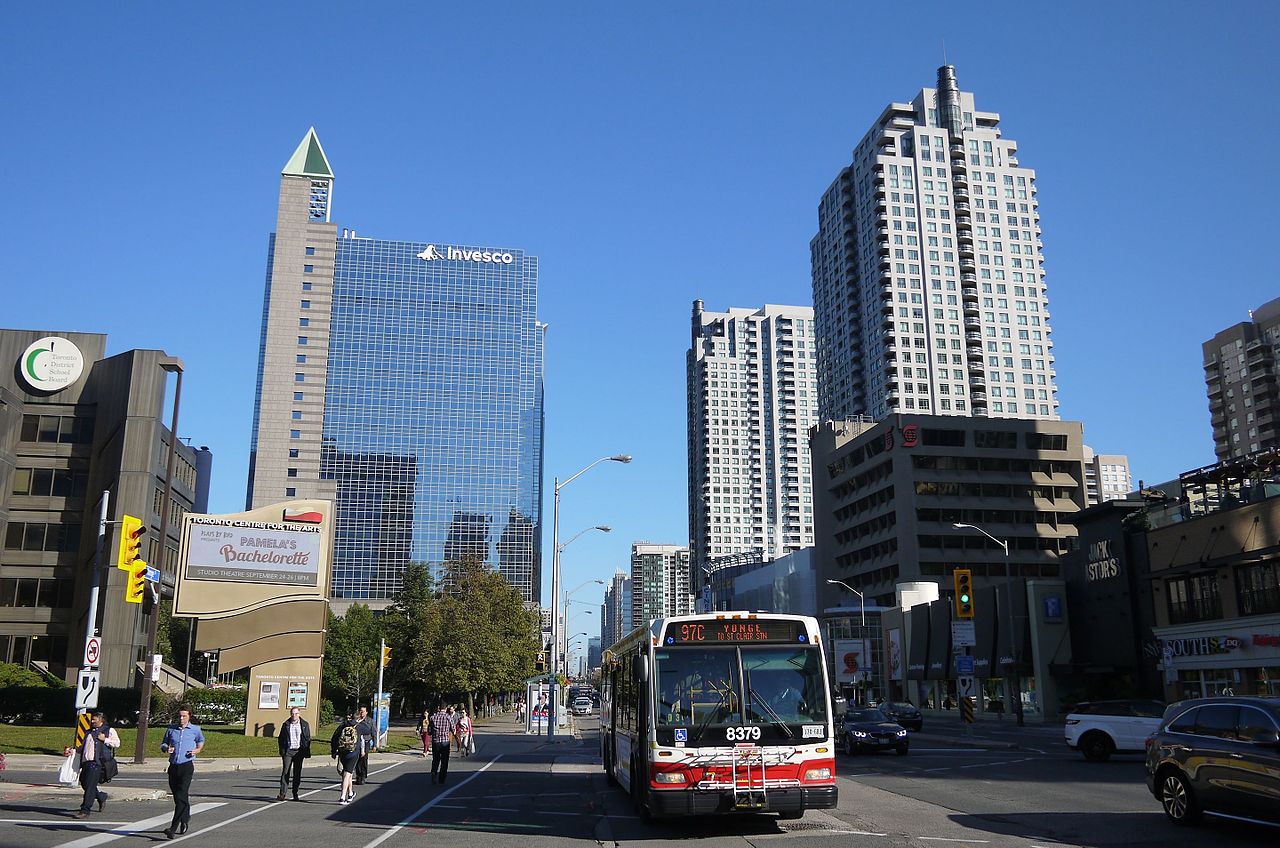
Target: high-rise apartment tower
x: 659, y: 582
x: 404, y: 381
x: 928, y: 280
x: 1240, y: 371
x: 752, y: 384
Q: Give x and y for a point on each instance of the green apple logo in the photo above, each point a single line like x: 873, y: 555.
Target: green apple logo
x: 51, y: 364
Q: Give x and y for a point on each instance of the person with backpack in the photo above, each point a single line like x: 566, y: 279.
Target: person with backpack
x: 345, y: 745
x: 97, y: 757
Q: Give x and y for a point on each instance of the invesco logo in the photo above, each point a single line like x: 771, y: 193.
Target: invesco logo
x: 431, y: 254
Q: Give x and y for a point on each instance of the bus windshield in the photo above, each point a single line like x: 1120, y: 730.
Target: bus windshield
x: 705, y: 687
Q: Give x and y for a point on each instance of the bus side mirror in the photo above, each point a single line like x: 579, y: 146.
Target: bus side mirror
x: 642, y: 669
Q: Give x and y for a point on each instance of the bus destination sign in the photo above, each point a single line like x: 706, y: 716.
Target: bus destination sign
x: 733, y: 630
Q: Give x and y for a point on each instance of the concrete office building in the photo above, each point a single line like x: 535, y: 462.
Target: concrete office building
x: 659, y: 582
x: 929, y: 291
x: 1240, y: 373
x: 752, y: 396
x: 1106, y: 476
x: 888, y: 494
x: 74, y: 423
x: 404, y: 381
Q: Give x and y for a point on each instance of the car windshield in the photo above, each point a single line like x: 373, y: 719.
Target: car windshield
x: 899, y: 707
x: 865, y: 715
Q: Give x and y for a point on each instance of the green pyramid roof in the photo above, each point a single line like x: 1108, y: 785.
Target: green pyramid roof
x: 309, y: 159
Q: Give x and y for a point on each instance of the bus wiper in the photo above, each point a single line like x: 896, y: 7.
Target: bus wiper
x: 773, y: 715
x: 711, y: 713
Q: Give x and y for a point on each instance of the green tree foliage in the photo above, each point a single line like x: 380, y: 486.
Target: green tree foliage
x: 12, y: 674
x: 471, y: 637
x: 351, y: 656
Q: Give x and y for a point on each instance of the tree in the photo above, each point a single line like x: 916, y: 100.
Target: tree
x: 351, y: 655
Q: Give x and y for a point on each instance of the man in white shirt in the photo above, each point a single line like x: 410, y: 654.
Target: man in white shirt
x: 295, y: 747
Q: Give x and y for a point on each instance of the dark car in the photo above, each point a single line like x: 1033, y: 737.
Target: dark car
x: 1217, y: 755
x: 869, y: 729
x: 904, y: 714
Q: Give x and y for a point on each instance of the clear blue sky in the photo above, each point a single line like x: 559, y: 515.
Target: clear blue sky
x: 649, y: 154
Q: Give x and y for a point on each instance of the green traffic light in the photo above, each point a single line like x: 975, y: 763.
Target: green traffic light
x: 964, y: 599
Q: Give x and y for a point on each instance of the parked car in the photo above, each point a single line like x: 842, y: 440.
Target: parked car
x: 581, y: 706
x: 1099, y: 729
x: 1217, y: 755
x: 869, y: 729
x: 904, y: 714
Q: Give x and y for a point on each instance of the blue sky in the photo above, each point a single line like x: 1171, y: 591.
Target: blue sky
x: 649, y: 154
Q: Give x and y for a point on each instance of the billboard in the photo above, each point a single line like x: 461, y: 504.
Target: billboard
x: 253, y: 552
x: 852, y: 659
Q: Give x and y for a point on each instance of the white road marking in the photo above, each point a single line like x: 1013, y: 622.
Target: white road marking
x: 270, y: 805
x: 864, y: 833
x: 947, y: 839
x: 134, y: 827
x: 79, y: 824
x: 432, y: 803
x: 499, y: 809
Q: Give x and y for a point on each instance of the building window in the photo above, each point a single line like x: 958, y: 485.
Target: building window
x: 295, y: 434
x: 1194, y: 599
x: 304, y: 322
x: 56, y: 429
x: 307, y: 269
x: 290, y: 492
x: 297, y: 395
x: 293, y: 453
x: 1258, y: 588
x: 311, y: 251
x: 306, y: 287
x: 292, y: 472
x: 306, y: 304
x: 302, y: 340
x: 39, y: 536
x: 299, y: 377
x: 302, y: 359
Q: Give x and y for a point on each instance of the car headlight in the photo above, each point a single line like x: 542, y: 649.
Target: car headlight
x: 861, y: 734
x: 902, y: 732
x: 817, y: 774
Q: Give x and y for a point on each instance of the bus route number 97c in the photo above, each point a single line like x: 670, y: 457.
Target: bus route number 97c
x: 742, y: 734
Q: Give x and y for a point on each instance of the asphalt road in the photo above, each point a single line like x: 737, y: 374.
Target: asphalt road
x: 519, y: 791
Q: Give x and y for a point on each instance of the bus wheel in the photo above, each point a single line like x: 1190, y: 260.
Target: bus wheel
x: 790, y: 815
x: 638, y: 794
x: 608, y: 766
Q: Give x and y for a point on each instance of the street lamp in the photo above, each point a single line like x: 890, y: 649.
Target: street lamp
x: 555, y: 571
x: 1011, y: 682
x: 566, y: 605
x: 862, y: 600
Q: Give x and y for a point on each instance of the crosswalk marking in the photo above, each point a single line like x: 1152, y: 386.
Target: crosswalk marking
x: 135, y: 827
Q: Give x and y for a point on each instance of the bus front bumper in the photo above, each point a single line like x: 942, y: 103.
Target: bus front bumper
x: 700, y: 802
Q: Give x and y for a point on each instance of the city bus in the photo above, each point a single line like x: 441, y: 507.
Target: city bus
x: 727, y: 712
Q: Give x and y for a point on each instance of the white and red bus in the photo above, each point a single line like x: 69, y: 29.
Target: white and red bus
x: 727, y: 712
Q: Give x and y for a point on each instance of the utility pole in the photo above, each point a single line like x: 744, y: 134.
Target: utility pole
x: 377, y: 712
x: 87, y: 682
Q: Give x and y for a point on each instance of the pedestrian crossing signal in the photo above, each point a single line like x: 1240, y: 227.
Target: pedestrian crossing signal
x: 541, y: 662
x: 963, y: 578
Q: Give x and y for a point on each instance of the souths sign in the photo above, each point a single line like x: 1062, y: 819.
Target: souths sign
x: 50, y: 364
x: 1201, y: 646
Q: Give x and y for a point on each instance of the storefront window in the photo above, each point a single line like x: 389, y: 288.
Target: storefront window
x: 1205, y: 683
x: 1267, y: 681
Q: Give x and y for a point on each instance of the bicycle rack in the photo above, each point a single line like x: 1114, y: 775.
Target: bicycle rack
x: 748, y: 761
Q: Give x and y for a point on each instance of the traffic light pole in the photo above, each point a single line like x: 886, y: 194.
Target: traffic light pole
x: 91, y: 623
x: 144, y: 697
x: 377, y: 710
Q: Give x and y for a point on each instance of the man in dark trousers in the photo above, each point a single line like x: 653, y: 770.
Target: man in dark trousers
x: 364, y: 726
x: 295, y: 747
x: 441, y: 728
x: 99, y: 746
x: 183, y: 742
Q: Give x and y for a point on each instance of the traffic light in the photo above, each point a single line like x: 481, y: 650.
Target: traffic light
x: 963, y: 578
x: 540, y: 663
x: 131, y: 533
x: 386, y: 655
x: 137, y: 585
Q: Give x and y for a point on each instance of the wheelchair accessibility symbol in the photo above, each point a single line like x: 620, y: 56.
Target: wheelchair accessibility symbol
x: 682, y: 735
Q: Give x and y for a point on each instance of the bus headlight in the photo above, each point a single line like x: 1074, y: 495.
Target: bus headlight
x: 817, y: 774
x: 669, y: 777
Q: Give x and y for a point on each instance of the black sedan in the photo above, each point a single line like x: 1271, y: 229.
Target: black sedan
x: 869, y: 729
x: 904, y: 714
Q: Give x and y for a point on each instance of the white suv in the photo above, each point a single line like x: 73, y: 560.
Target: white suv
x: 1099, y: 729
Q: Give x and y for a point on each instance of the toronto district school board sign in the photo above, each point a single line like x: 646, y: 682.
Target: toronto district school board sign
x: 50, y: 364
x: 253, y: 552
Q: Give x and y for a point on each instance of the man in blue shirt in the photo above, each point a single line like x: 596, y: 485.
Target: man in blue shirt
x: 183, y: 742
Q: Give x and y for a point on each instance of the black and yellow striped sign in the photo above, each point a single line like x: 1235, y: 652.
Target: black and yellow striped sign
x: 82, y: 727
x: 966, y: 710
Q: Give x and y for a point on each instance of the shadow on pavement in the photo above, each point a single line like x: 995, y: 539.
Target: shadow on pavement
x: 1093, y: 828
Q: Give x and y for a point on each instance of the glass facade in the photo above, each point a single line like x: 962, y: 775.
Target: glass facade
x: 433, y: 418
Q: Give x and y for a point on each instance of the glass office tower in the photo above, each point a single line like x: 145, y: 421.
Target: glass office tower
x: 415, y: 400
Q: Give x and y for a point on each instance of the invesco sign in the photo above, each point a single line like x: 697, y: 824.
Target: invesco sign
x: 50, y: 364
x: 498, y: 257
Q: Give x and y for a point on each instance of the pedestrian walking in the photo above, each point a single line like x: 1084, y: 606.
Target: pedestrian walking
x: 453, y: 726
x: 520, y: 710
x: 345, y: 746
x: 295, y: 748
x: 364, y: 726
x: 466, y: 731
x: 96, y: 751
x: 183, y: 742
x: 424, y: 732
x: 440, y: 727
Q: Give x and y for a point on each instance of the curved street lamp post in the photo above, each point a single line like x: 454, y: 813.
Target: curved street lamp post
x: 1012, y: 693
x: 556, y: 547
x: 862, y: 630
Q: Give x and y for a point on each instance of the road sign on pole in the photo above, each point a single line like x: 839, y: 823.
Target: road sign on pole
x: 964, y: 668
x: 92, y: 652
x: 966, y: 686
x: 962, y: 634
x: 87, y: 689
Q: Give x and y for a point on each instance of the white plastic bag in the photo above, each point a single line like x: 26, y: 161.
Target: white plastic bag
x: 69, y: 771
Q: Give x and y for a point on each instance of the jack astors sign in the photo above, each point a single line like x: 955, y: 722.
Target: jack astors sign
x: 253, y: 552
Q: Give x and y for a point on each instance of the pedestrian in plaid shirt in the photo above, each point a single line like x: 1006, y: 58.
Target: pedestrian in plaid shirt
x: 440, y: 727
